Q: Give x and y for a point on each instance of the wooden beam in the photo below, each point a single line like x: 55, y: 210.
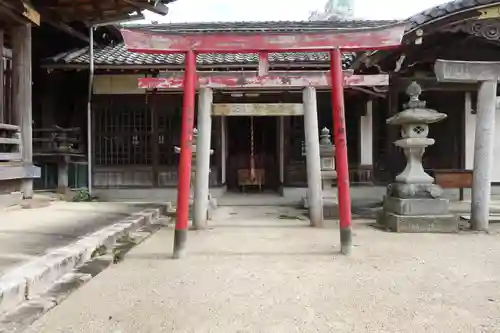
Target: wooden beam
x: 31, y: 14
x: 159, y: 9
x: 11, y: 157
x: 10, y: 141
x: 283, y: 80
x: 68, y: 29
x: 22, y: 12
x: 10, y: 127
x: 8, y: 172
x: 385, y: 37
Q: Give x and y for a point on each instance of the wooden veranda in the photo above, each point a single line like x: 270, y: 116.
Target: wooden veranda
x: 27, y: 31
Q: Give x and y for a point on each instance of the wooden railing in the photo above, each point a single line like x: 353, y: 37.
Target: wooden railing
x: 10, y: 143
x: 57, y: 141
x: 62, y: 146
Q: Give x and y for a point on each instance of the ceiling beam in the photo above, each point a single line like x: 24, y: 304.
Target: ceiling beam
x: 69, y: 30
x: 21, y: 12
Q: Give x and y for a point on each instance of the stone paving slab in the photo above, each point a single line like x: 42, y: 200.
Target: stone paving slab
x: 26, y: 234
x: 265, y: 270
x: 29, y: 279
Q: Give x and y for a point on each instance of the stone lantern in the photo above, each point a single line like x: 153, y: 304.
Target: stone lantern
x: 327, y: 156
x: 413, y: 202
x: 212, y: 204
x: 328, y: 174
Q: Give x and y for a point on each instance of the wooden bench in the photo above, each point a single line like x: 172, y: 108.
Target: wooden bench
x: 454, y: 179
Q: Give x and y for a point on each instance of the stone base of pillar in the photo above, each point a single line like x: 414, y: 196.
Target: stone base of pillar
x: 330, y: 209
x: 212, y: 206
x: 417, y: 215
x: 11, y: 199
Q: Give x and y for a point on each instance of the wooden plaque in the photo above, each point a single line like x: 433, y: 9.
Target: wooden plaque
x: 279, y: 109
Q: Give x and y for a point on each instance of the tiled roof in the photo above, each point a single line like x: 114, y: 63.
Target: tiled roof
x: 446, y: 9
x: 260, y: 26
x: 117, y: 55
x: 430, y: 15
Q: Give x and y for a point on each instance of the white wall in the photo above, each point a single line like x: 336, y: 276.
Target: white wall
x: 470, y: 127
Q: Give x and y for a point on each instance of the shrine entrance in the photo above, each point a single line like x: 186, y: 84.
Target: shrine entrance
x: 252, y: 144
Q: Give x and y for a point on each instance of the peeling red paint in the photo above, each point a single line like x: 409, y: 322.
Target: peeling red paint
x: 384, y: 37
x: 225, y: 80
x: 263, y: 63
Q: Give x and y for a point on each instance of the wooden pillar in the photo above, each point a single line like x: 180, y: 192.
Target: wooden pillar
x: 223, y: 155
x: 22, y: 95
x: 63, y: 175
x: 281, y: 151
x: 392, y: 156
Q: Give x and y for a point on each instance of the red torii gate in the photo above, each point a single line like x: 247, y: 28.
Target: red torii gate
x: 326, y: 40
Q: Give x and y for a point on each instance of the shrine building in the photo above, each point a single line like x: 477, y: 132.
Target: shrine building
x: 137, y: 101
x: 137, y: 108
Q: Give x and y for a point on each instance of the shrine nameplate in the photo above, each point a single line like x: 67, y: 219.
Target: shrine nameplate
x: 279, y: 109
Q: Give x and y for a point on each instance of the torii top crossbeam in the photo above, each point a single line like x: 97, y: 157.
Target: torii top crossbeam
x: 360, y: 39
x: 262, y: 42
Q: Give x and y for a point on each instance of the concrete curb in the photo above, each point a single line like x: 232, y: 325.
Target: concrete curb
x: 37, y: 276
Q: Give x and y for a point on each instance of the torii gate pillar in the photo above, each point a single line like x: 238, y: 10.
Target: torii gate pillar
x: 488, y: 75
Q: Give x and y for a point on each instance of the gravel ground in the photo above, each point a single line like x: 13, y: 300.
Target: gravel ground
x: 265, y: 270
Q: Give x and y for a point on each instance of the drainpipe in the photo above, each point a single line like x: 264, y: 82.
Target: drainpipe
x: 89, y: 109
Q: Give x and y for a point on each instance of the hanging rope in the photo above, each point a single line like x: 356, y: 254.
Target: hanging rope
x: 252, y: 148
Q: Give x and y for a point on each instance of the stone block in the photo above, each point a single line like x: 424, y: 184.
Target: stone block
x: 330, y: 209
x: 10, y: 199
x: 446, y: 223
x: 305, y: 202
x: 410, y: 191
x: 329, y: 224
x: 416, y: 206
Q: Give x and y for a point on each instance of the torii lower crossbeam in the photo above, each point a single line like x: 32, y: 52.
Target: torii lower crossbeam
x: 321, y: 40
x: 250, y: 80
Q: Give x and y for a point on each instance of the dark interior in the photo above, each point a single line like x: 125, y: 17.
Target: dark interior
x: 265, y: 132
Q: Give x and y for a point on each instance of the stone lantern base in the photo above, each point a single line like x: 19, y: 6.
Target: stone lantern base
x: 417, y: 208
